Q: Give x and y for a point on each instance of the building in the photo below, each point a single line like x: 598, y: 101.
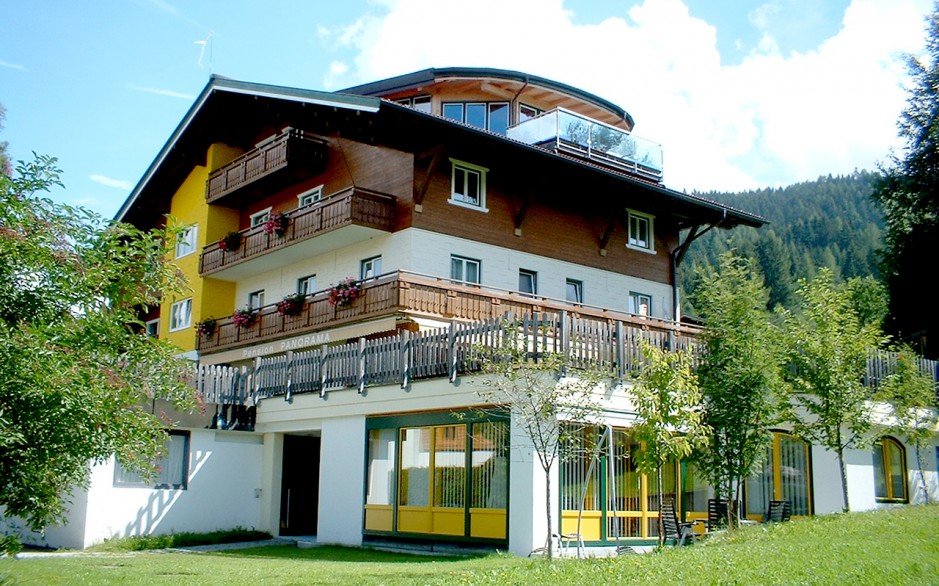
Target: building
x: 346, y: 249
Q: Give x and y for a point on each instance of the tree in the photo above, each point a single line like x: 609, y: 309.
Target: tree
x: 549, y: 401
x: 739, y: 373
x: 908, y: 193
x: 827, y: 346
x: 77, y: 376
x: 669, y: 421
x: 910, y: 395
x: 5, y: 168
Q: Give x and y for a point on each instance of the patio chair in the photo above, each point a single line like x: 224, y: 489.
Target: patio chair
x: 673, y: 529
x: 778, y: 512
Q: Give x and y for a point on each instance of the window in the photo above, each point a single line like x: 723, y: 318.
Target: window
x: 890, y: 471
x: 639, y: 304
x: 256, y: 299
x: 310, y: 196
x: 527, y: 281
x: 469, y: 185
x: 152, y: 328
x: 260, y: 217
x: 181, y: 315
x: 419, y: 103
x: 172, y: 471
x: 640, y: 231
x: 464, y: 269
x: 575, y: 291
x: 526, y: 112
x: 306, y: 285
x: 186, y: 243
x: 371, y: 267
x: 492, y: 116
x: 786, y: 475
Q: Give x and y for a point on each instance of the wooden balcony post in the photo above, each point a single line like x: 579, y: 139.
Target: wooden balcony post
x: 361, y: 357
x: 565, y: 334
x: 288, y: 384
x: 257, y: 376
x: 405, y: 358
x: 451, y: 351
x: 322, y: 373
x: 620, y: 352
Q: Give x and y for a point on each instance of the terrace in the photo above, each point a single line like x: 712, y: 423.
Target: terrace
x: 563, y: 131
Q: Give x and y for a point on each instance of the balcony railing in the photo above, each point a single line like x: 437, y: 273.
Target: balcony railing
x: 453, y: 351
x: 291, y: 150
x: 351, y: 206
x: 564, y: 131
x: 418, y: 295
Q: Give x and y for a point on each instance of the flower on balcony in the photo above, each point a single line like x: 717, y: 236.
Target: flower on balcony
x: 243, y: 318
x: 291, y: 305
x: 277, y: 224
x: 347, y: 291
x: 206, y: 327
x: 231, y: 242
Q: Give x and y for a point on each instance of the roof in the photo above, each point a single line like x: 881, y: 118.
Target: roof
x: 193, y: 128
x: 428, y: 76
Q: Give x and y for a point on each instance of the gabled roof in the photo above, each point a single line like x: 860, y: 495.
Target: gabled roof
x: 223, y: 100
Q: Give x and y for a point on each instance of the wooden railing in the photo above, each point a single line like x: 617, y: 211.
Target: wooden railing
x: 421, y: 295
x: 403, y: 357
x: 291, y: 147
x: 351, y: 206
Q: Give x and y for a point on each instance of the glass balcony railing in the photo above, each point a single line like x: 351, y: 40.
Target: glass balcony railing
x: 565, y: 131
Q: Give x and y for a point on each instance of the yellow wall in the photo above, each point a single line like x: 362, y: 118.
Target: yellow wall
x: 210, y: 297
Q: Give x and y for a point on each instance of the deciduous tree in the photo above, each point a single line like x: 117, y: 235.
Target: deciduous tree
x: 77, y: 376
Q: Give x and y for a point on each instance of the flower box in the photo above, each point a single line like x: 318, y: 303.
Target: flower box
x: 347, y: 291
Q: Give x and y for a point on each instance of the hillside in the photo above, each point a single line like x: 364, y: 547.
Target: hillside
x: 828, y: 222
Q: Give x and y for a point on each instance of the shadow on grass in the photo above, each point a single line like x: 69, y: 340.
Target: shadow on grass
x: 333, y: 553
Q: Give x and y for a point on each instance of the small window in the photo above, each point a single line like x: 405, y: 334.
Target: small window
x: 172, y: 471
x: 181, y: 315
x: 468, y: 185
x: 152, y: 328
x: 419, y: 103
x: 371, y: 267
x: 256, y: 299
x: 464, y: 269
x: 186, y: 243
x: 306, y: 285
x: 640, y: 231
x: 527, y: 281
x: 260, y: 217
x: 526, y: 112
x: 640, y: 304
x: 890, y: 471
x: 575, y: 291
x: 310, y: 197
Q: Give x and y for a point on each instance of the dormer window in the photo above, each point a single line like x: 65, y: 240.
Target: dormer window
x: 468, y: 188
x: 640, y: 232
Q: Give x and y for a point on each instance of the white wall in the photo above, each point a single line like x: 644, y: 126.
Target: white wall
x: 342, y: 481
x: 224, y: 471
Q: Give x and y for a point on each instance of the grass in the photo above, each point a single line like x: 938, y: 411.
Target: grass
x: 897, y: 546
x: 185, y: 539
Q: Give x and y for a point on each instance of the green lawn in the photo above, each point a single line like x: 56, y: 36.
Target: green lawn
x: 899, y: 546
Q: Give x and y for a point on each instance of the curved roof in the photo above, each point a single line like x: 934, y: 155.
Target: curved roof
x: 433, y: 74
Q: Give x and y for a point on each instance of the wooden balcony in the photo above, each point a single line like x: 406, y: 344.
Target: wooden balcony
x: 286, y: 157
x: 353, y: 206
x: 410, y: 294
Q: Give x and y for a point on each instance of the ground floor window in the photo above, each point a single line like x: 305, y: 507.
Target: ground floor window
x: 785, y: 475
x: 603, y: 496
x: 172, y: 470
x: 429, y: 476
x: 890, y: 471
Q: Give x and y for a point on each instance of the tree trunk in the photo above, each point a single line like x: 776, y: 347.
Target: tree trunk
x: 844, y: 479
x: 918, y: 447
x: 549, y: 545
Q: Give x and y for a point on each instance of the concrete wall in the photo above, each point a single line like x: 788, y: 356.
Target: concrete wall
x: 224, y: 474
x: 342, y: 481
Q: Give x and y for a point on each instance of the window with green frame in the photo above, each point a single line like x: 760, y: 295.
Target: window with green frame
x: 890, y: 471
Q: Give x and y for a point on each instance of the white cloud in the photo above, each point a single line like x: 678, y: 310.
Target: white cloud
x: 771, y: 120
x: 9, y: 65
x: 111, y: 182
x: 161, y: 92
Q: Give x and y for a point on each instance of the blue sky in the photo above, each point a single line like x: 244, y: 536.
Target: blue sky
x: 741, y: 94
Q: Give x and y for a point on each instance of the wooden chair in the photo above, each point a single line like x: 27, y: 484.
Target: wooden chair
x: 718, y: 515
x: 778, y: 512
x: 673, y: 529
